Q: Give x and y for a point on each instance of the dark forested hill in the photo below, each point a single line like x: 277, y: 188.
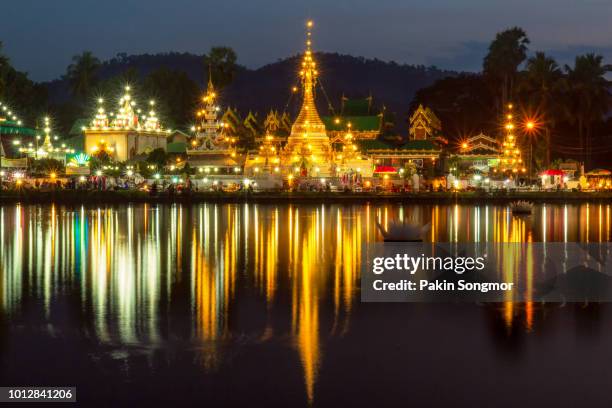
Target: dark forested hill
x: 389, y: 83
x: 392, y: 85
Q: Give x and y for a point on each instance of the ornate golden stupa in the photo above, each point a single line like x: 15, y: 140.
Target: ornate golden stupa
x: 308, y: 152
x: 308, y: 147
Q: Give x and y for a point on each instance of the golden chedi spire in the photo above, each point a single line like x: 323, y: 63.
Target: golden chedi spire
x: 308, y: 121
x: 308, y: 148
x: 210, y: 90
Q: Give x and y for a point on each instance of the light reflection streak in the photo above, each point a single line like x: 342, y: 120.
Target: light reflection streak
x: 132, y: 265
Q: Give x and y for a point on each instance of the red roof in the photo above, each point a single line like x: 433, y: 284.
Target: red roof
x: 385, y: 169
x: 552, y: 172
x: 599, y: 172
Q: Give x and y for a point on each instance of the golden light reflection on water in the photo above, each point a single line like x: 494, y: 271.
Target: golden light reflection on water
x: 131, y: 268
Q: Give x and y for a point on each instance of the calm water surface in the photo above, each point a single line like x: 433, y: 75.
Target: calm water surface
x: 231, y: 305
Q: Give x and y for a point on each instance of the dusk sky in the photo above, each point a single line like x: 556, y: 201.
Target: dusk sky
x: 41, y: 36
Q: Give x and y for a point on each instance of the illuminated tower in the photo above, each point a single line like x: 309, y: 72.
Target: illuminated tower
x: 209, y: 130
x: 126, y: 118
x: 100, y: 121
x: 47, y: 146
x: 308, y: 146
x: 511, y: 162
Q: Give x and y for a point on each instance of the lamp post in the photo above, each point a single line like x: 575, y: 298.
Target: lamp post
x: 530, y: 127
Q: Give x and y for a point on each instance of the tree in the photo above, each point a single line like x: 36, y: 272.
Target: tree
x: 175, y: 94
x: 588, y: 97
x: 541, y: 86
x: 221, y: 61
x: 158, y: 157
x: 464, y: 105
x: 99, y: 158
x: 114, y: 87
x: 82, y: 74
x: 21, y: 93
x: 506, y: 53
x: 45, y: 167
x: 4, y: 66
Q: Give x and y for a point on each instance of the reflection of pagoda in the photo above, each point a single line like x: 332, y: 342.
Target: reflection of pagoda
x: 127, y: 133
x: 308, y: 146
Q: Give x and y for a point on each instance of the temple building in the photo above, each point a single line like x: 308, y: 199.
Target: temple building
x: 308, y: 146
x: 278, y: 125
x: 13, y: 134
x: 46, y: 149
x: 231, y: 119
x: 423, y: 150
x: 356, y: 116
x: 424, y: 124
x: 308, y: 151
x: 125, y: 134
x: 212, y: 149
x: 423, y: 155
x: 477, y: 154
x: 252, y: 125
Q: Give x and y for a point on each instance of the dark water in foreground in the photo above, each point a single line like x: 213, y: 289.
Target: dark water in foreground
x: 232, y: 305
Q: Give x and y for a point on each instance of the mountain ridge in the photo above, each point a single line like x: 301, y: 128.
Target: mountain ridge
x: 392, y: 85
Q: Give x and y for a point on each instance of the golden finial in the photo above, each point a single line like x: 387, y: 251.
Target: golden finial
x: 309, y: 25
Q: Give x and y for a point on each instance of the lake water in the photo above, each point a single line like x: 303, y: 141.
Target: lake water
x: 233, y: 305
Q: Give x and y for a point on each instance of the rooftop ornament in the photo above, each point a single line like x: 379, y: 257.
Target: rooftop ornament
x: 127, y: 117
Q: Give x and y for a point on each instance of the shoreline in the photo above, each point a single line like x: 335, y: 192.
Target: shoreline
x: 125, y: 197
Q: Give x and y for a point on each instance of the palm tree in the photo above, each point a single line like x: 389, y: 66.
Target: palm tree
x: 82, y: 74
x: 221, y: 65
x: 506, y: 53
x: 542, y: 84
x: 588, y: 90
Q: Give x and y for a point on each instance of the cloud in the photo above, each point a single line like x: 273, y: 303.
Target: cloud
x: 466, y: 56
x: 567, y: 55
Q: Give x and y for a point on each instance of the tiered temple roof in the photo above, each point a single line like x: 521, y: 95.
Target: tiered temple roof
x: 13, y: 134
x: 356, y: 116
x: 211, y: 134
x: 480, y: 145
x: 128, y: 117
x: 424, y: 124
x: 213, y: 146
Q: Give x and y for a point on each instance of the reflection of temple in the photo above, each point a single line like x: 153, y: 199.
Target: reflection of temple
x: 126, y: 133
x: 213, y: 278
x: 136, y: 273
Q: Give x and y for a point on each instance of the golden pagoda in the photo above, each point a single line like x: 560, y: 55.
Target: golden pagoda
x: 308, y: 147
x: 308, y: 151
